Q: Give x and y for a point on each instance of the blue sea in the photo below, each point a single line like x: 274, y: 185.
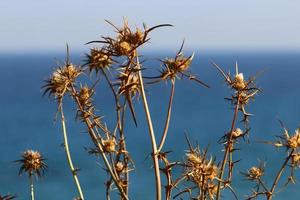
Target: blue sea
x: 27, y: 122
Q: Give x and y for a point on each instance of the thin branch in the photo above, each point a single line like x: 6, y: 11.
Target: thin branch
x: 151, y: 132
x: 228, y: 147
x: 164, y: 135
x: 98, y: 144
x: 279, y: 175
x: 68, y: 154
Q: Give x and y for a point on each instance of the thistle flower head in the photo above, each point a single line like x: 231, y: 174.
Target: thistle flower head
x: 199, y: 168
x: 296, y: 159
x: 59, y: 82
x: 176, y: 66
x: 109, y: 145
x: 293, y: 142
x: 127, y: 39
x: 289, y: 141
x: 255, y: 173
x: 128, y: 82
x: 98, y: 59
x: 238, y: 82
x: 119, y: 167
x: 85, y: 96
x: 202, y: 171
x: 32, y: 162
x: 237, y: 133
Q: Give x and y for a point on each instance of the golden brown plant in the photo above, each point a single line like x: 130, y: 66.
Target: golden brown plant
x: 243, y: 90
x: 33, y: 163
x: 117, y: 59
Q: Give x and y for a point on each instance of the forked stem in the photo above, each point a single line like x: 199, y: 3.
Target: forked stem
x: 98, y: 144
x: 68, y: 154
x: 151, y: 132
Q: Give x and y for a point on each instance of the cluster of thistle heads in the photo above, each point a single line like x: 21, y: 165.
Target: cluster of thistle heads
x: 117, y: 60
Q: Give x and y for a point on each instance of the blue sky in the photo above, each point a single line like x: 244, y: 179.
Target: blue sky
x: 205, y: 24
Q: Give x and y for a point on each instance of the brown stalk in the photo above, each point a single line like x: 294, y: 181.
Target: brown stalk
x: 270, y: 194
x: 68, y: 154
x: 228, y: 149
x: 98, y: 144
x: 120, y: 123
x: 164, y: 135
x: 151, y: 131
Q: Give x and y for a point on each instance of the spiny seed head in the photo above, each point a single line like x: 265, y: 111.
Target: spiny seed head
x: 109, y: 145
x: 296, y: 159
x: 119, y: 167
x: 32, y: 162
x: 202, y: 172
x: 237, y: 133
x: 179, y: 64
x: 255, y: 173
x: 61, y: 79
x: 193, y: 158
x: 199, y: 167
x: 98, y: 59
x: 129, y: 83
x: 238, y: 82
x: 293, y: 142
x: 122, y: 48
x: 84, y: 96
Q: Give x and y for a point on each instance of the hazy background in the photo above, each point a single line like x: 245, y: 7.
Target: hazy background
x: 231, y: 24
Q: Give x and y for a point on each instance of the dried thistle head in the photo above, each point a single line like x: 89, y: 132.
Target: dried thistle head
x: 128, y: 82
x: 243, y: 90
x: 177, y: 67
x: 58, y: 84
x: 60, y: 81
x: 296, y: 159
x: 129, y: 87
x: 98, y: 59
x: 202, y: 171
x: 32, y: 162
x: 85, y: 96
x: 237, y: 133
x: 255, y: 172
x: 119, y: 167
x: 109, y: 145
x: 289, y: 141
x: 127, y: 39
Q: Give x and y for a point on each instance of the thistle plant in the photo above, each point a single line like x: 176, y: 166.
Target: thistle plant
x: 291, y: 143
x: 57, y: 86
x: 33, y: 163
x: 243, y: 91
x: 116, y: 62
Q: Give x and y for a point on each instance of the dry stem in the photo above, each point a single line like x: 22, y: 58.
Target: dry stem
x: 31, y: 186
x: 99, y: 145
x: 68, y: 154
x: 228, y: 149
x: 164, y: 135
x: 151, y: 132
x: 270, y: 194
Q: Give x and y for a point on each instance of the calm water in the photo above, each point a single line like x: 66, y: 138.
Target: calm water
x: 26, y: 122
